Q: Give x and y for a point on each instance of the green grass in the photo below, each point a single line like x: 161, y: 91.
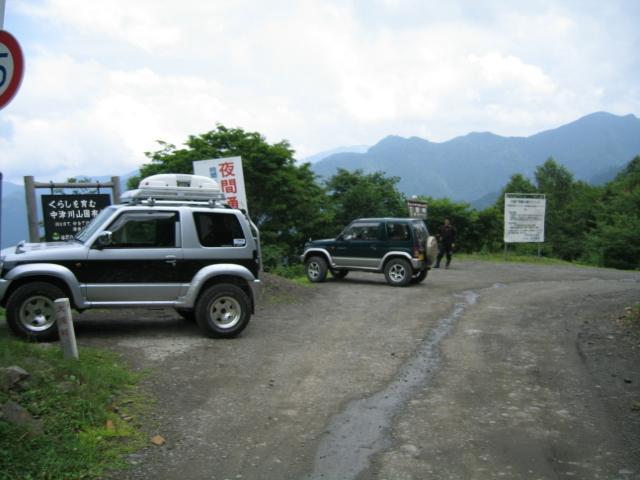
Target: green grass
x: 301, y: 280
x: 517, y: 258
x: 81, y: 404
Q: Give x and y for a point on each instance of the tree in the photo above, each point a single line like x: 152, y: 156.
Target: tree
x: 356, y: 194
x: 283, y: 197
x: 614, y: 242
x: 462, y: 216
x: 518, y: 183
x: 556, y: 182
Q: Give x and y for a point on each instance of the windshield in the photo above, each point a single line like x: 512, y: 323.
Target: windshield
x: 93, y: 226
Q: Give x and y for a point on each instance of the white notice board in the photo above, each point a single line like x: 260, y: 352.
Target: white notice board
x: 524, y: 218
x: 229, y: 175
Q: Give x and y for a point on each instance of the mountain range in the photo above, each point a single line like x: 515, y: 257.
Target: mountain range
x: 475, y: 167
x: 472, y: 168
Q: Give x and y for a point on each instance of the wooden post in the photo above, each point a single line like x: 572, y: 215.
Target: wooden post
x: 32, y: 210
x: 115, y: 182
x: 65, y: 328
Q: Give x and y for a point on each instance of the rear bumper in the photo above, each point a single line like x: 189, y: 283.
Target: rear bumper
x: 418, y: 264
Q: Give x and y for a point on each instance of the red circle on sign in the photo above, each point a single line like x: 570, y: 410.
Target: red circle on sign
x: 15, y: 51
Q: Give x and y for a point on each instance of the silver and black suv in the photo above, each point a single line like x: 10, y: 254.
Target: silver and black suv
x: 401, y: 248
x: 169, y: 249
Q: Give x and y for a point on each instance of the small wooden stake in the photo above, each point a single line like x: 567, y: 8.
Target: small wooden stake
x: 65, y: 328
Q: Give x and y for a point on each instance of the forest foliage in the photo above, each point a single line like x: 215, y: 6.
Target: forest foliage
x: 598, y: 225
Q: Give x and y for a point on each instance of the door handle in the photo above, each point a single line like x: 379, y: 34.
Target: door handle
x: 171, y: 259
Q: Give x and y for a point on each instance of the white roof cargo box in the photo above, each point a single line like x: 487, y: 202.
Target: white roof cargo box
x: 175, y: 188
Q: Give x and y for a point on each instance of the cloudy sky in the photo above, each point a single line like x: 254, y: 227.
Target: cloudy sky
x: 105, y: 80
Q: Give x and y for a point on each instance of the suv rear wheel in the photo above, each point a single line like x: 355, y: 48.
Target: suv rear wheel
x: 420, y: 276
x: 316, y: 269
x: 30, y: 311
x: 398, y: 272
x: 223, y: 311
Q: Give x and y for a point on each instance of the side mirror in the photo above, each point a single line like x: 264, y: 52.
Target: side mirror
x: 104, y: 239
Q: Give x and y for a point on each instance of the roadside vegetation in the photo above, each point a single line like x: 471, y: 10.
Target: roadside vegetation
x: 594, y: 225
x: 511, y: 257
x: 82, y: 415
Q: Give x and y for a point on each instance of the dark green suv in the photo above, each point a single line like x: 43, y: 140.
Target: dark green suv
x: 401, y: 248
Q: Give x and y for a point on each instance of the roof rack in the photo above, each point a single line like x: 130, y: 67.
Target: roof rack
x: 176, y: 189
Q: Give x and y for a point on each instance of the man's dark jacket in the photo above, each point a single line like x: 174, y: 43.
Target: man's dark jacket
x: 447, y: 235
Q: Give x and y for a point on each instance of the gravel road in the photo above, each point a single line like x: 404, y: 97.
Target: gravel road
x: 483, y: 371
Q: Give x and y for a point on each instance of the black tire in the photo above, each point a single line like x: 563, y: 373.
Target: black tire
x: 339, y: 274
x: 188, y: 315
x: 223, y: 311
x: 30, y: 311
x: 420, y: 276
x: 398, y: 272
x: 316, y: 269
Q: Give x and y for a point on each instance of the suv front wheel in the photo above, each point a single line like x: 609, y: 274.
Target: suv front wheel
x: 316, y: 269
x: 398, y: 272
x: 30, y: 311
x: 223, y: 311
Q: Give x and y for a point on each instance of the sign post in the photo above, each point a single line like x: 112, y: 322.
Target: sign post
x: 524, y: 218
x: 2, y: 4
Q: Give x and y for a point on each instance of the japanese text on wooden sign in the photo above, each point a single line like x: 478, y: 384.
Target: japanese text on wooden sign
x: 417, y: 209
x: 65, y: 215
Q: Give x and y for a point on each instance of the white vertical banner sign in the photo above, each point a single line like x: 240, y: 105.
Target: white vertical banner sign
x: 229, y: 175
x: 524, y: 218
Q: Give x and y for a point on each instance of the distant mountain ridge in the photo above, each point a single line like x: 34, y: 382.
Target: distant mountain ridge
x: 476, y: 166
x: 322, y: 155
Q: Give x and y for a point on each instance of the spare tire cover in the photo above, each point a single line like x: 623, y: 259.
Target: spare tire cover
x: 432, y: 250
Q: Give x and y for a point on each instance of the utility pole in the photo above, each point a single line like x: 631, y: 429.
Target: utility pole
x: 2, y: 4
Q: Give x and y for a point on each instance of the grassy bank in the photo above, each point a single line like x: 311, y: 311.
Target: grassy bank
x: 516, y: 258
x: 87, y: 408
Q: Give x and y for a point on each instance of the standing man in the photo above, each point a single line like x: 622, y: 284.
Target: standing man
x: 446, y: 241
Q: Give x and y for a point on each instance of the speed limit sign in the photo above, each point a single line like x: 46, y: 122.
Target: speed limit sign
x: 11, y: 67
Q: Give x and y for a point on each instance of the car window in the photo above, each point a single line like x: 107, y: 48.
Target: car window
x: 398, y: 231
x: 219, y: 230
x: 363, y: 231
x: 421, y: 231
x: 93, y: 226
x: 144, y: 230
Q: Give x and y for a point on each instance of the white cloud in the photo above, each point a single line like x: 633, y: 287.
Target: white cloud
x: 105, y: 80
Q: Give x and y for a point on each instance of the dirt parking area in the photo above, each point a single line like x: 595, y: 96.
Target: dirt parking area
x: 482, y: 371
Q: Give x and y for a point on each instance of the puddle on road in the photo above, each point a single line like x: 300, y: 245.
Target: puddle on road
x: 362, y: 429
